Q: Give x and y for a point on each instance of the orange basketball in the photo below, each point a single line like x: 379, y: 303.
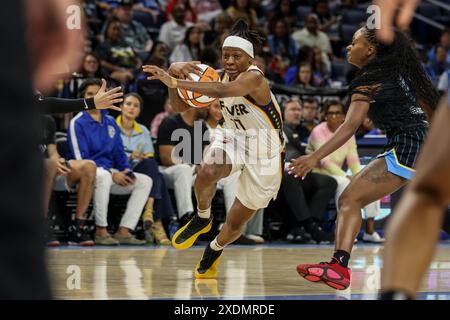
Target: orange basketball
x: 195, y: 99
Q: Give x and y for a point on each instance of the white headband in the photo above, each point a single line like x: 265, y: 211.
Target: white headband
x: 238, y: 42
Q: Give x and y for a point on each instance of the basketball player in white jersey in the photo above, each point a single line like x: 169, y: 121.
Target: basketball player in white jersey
x: 250, y: 142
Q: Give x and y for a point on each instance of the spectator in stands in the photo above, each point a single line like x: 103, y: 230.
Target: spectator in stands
x: 141, y: 155
x: 206, y: 10
x: 150, y: 7
x: 74, y: 176
x: 156, y: 122
x: 191, y: 16
x: 329, y: 23
x: 426, y: 64
x: 308, y: 198
x: 213, y: 119
x: 281, y: 44
x: 304, y: 76
x: 178, y: 169
x: 310, y: 114
x: 90, y: 68
x: 117, y: 58
x: 133, y: 32
x: 332, y: 164
x: 173, y: 32
x: 160, y: 50
x: 94, y: 135
x: 222, y: 23
x: 241, y: 9
x: 440, y: 63
x: 284, y: 10
x: 191, y: 47
x: 444, y: 42
x: 315, y: 58
x: 154, y: 93
x: 312, y: 37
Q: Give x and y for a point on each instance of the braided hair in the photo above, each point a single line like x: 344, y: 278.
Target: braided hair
x: 241, y: 29
x: 395, y: 63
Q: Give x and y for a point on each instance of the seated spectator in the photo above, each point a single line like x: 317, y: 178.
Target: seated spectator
x: 74, y: 176
x: 315, y: 57
x: 133, y: 32
x: 150, y: 7
x: 141, y: 154
x: 423, y: 57
x: 440, y: 63
x: 284, y: 10
x: 153, y: 92
x: 241, y: 9
x: 117, y: 58
x: 332, y: 164
x: 444, y: 42
x: 206, y: 10
x: 221, y: 23
x: 282, y: 46
x: 94, y: 135
x: 173, y: 32
x: 178, y: 169
x: 312, y: 37
x: 308, y: 198
x: 329, y: 23
x: 90, y: 68
x: 304, y: 77
x: 310, y: 114
x: 156, y: 122
x: 191, y: 47
x: 229, y: 185
x: 191, y: 16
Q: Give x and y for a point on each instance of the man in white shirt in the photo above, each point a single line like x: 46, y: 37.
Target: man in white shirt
x: 312, y: 37
x: 173, y: 32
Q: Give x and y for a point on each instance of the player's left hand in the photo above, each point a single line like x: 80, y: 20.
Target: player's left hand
x: 301, y: 166
x: 157, y: 73
x: 106, y: 99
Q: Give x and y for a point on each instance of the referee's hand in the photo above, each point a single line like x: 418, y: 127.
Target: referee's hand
x: 106, y: 99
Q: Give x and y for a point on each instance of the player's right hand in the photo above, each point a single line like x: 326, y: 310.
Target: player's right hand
x: 181, y: 70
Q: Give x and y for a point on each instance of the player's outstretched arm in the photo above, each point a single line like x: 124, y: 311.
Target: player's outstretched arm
x: 181, y: 70
x: 245, y: 84
x: 356, y: 114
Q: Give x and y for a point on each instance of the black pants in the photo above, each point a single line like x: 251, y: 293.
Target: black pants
x: 163, y: 206
x: 23, y: 273
x: 308, y: 198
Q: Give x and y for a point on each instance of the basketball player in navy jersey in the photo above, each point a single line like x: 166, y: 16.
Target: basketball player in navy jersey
x: 423, y: 205
x: 251, y: 113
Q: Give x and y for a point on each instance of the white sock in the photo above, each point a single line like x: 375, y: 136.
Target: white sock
x: 204, y: 214
x: 215, y: 246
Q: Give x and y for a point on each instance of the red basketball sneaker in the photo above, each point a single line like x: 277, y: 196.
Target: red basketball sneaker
x: 330, y: 273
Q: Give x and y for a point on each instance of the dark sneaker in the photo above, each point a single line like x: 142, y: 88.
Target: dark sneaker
x: 185, y: 237
x: 207, y: 268
x: 78, y: 235
x: 318, y: 234
x: 299, y: 235
x: 330, y: 273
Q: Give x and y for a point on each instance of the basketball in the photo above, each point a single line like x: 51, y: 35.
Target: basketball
x: 195, y: 99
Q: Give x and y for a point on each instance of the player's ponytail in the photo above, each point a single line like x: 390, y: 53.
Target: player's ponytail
x: 241, y: 29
